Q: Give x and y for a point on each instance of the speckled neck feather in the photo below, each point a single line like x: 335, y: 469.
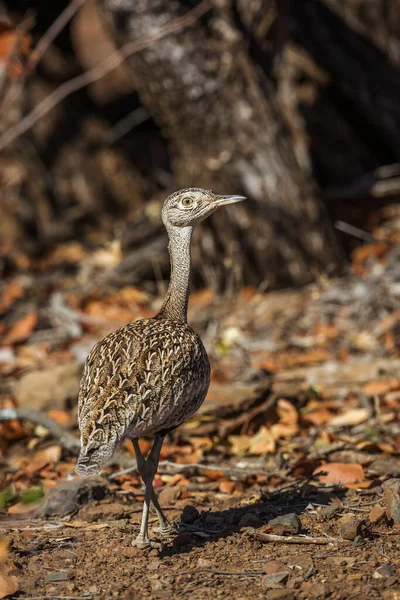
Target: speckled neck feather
x: 176, y: 301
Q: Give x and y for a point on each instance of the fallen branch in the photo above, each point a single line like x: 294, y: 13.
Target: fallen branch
x: 65, y: 438
x: 290, y: 539
x: 168, y: 468
x: 245, y: 418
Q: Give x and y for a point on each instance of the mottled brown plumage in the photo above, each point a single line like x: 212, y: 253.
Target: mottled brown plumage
x: 151, y: 375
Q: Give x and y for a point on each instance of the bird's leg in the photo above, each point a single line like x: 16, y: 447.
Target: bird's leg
x: 165, y: 527
x: 142, y: 539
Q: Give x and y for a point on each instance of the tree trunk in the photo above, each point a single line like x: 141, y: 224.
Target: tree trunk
x: 219, y: 113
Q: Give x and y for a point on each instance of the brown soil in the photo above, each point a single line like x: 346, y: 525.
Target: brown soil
x: 93, y: 555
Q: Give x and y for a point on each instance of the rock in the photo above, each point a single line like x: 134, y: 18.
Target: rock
x: 330, y: 511
x: 273, y: 567
x: 285, y: 524
x: 132, y: 551
x: 391, y: 494
x: 58, y: 577
x: 48, y: 389
x: 350, y: 527
x: 203, y: 563
x: 168, y: 494
x: 277, y: 580
x: 250, y: 520
x: 280, y: 595
x: 384, y: 570
x: 68, y: 496
x: 189, y: 514
x: 376, y: 513
x: 313, y: 589
x: 388, y: 465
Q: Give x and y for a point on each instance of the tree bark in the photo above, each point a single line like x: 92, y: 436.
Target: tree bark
x: 219, y: 113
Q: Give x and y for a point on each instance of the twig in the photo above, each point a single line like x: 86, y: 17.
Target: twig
x: 354, y: 231
x: 168, y: 467
x: 215, y: 572
x: 290, y: 539
x: 57, y: 26
x: 246, y: 417
x: 88, y: 597
x: 67, y: 440
x: 110, y: 63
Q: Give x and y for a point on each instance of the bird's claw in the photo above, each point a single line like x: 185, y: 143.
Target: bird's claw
x: 145, y: 542
x: 165, y: 531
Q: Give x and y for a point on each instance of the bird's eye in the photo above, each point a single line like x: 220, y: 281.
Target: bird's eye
x: 187, y: 202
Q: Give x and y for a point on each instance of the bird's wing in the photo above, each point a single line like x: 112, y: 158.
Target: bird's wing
x: 135, y: 377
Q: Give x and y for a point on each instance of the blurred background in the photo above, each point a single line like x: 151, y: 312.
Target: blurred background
x: 294, y: 104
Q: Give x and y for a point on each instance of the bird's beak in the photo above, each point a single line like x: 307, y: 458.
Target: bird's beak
x: 223, y: 200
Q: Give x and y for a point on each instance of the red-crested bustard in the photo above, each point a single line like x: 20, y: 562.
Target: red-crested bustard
x: 151, y: 375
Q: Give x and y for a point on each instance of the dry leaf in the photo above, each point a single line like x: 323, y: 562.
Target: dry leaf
x: 51, y: 454
x: 226, y: 487
x: 22, y: 329
x: 8, y: 586
x: 240, y: 444
x: 345, y: 473
x: 318, y: 417
x: 3, y: 548
x: 11, y: 293
x: 354, y: 416
x: 262, y: 442
x: 60, y: 416
x: 378, y: 388
x: 20, y: 508
x: 286, y: 411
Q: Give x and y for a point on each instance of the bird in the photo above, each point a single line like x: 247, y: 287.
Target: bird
x: 149, y: 376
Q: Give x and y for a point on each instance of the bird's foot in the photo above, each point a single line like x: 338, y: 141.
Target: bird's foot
x: 143, y: 542
x: 165, y: 531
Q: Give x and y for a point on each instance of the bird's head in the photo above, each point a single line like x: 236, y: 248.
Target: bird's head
x: 188, y: 207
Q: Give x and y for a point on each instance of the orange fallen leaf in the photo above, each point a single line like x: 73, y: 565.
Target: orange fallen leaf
x: 51, y: 454
x: 8, y: 586
x: 3, y: 548
x: 378, y: 388
x: 319, y: 416
x: 60, y: 416
x: 22, y: 329
x: 20, y: 508
x: 262, y: 442
x: 344, y: 473
x: 11, y: 293
x: 226, y: 487
x: 354, y: 416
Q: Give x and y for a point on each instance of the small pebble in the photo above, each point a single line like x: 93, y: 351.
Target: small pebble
x: 278, y: 580
x: 285, y: 524
x: 391, y: 494
x: 350, y: 527
x: 376, y: 513
x: 383, y: 571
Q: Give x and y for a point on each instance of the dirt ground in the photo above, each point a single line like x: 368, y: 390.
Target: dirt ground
x: 91, y: 556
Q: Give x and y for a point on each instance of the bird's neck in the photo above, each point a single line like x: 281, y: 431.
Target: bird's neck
x: 176, y: 301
